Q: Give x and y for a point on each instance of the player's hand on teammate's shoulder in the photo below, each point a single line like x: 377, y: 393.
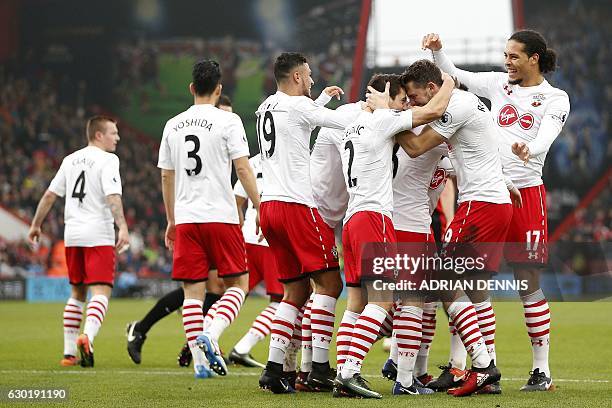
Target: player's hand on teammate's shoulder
x: 521, y: 150
x: 334, y: 91
x: 432, y: 42
x: 377, y: 99
x: 170, y: 236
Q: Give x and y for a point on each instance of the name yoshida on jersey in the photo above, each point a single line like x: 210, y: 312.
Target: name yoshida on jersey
x: 199, y: 145
x: 534, y: 115
x: 86, y: 177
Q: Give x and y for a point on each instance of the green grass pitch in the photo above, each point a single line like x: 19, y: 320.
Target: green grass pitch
x: 31, y: 347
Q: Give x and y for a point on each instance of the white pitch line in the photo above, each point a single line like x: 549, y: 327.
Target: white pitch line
x: 238, y: 374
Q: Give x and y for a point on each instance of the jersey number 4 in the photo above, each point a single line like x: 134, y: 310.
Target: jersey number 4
x: 266, y: 128
x: 193, y: 154
x: 79, y: 187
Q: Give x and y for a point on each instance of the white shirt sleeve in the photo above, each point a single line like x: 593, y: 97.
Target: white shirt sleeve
x: 386, y: 123
x: 323, y: 99
x: 457, y: 113
x: 111, y: 179
x: 551, y: 125
x: 315, y: 115
x: 58, y: 184
x: 237, y: 144
x: 239, y: 190
x: 164, y: 160
x: 480, y: 83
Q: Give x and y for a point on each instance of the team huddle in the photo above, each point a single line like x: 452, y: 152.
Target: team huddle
x: 377, y: 170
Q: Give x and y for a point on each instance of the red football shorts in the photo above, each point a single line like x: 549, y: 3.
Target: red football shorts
x: 363, y: 227
x: 528, y: 233
x: 91, y: 265
x: 482, y: 225
x: 262, y: 267
x: 408, y: 236
x: 301, y: 241
x: 416, y: 244
x: 198, y: 246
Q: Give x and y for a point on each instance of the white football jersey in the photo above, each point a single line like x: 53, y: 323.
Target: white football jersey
x: 284, y: 125
x: 473, y: 149
x: 328, y: 188
x: 367, y: 160
x: 250, y: 226
x: 521, y: 114
x: 199, y: 145
x: 444, y: 169
x: 412, y: 181
x: 86, y: 177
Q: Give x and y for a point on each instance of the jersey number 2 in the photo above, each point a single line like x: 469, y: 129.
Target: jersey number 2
x: 193, y: 154
x: 269, y: 136
x: 79, y: 187
x: 352, y: 181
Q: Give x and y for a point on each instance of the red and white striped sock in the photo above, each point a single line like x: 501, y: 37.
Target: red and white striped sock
x: 322, y: 316
x: 73, y: 314
x: 210, y: 315
x: 537, y: 319
x: 365, y: 333
x: 193, y: 323
x: 464, y: 319
x: 486, y: 323
x: 458, y: 354
x: 282, y: 331
x: 343, y: 337
x: 386, y: 330
x: 306, y: 362
x: 408, y: 334
x: 290, y: 360
x: 429, y: 328
x: 259, y: 330
x: 228, y: 309
x: 393, y: 351
x: 96, y: 310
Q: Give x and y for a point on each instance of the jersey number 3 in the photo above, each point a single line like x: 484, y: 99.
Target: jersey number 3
x: 266, y: 128
x: 79, y: 187
x: 193, y: 154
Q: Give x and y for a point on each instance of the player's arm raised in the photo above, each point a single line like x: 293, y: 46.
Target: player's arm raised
x: 43, y: 208
x: 477, y: 82
x: 116, y: 206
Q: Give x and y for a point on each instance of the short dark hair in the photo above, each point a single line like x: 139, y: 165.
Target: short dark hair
x: 534, y: 43
x: 224, y: 100
x: 97, y: 124
x: 206, y: 75
x: 379, y: 81
x: 422, y: 72
x: 285, y: 63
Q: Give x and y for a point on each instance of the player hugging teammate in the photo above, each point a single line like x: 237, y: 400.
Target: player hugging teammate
x: 378, y: 167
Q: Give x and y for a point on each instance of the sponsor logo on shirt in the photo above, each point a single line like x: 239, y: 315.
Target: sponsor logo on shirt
x: 507, y: 89
x: 438, y: 178
x: 509, y: 115
x: 537, y: 100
